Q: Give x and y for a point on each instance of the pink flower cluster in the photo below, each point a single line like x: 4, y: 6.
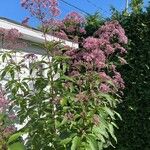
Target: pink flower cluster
x: 61, y: 34
x: 98, y: 49
x: 72, y: 25
x: 3, y: 102
x: 70, y: 52
x: 74, y: 22
x: 103, y: 76
x: 94, y: 54
x: 108, y: 41
x: 97, y: 57
x: 8, y: 128
x: 69, y: 28
x: 111, y: 30
x: 118, y: 81
x: 8, y: 131
x: 10, y: 35
x: 74, y: 18
x: 11, y: 39
x: 104, y: 88
x: 114, y: 34
x: 91, y: 43
x: 42, y: 9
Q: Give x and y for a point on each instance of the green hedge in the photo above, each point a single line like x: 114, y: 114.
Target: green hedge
x: 134, y: 130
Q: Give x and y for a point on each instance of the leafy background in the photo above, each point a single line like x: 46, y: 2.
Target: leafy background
x: 134, y: 130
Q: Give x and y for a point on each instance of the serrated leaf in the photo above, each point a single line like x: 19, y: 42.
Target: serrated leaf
x: 93, y: 144
x: 109, y: 111
x: 75, y: 143
x: 109, y: 98
x: 100, y: 131
x: 111, y: 131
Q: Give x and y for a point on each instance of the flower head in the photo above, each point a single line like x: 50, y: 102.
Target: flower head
x: 3, y: 102
x: 91, y: 43
x: 74, y: 18
x: 41, y: 9
x: 104, y: 88
x: 118, y: 81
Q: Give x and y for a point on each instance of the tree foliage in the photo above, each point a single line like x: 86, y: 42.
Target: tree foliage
x: 93, y: 22
x: 134, y: 130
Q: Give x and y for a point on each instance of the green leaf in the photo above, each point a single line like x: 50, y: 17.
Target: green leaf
x: 75, y: 143
x: 101, y: 132
x: 67, y: 78
x: 3, y: 74
x: 111, y: 131
x: 109, y: 111
x: 100, y: 145
x: 59, y: 58
x: 16, y: 146
x: 1, y: 116
x: 14, y: 137
x: 6, y: 55
x: 119, y: 116
x: 63, y: 102
x: 109, y: 98
x: 12, y: 73
x: 114, y: 125
x: 92, y: 142
x: 65, y: 141
x: 64, y: 121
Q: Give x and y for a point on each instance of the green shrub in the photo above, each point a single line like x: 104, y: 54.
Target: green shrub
x: 134, y: 130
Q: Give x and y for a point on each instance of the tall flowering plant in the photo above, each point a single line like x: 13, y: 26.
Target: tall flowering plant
x: 66, y: 98
x: 96, y: 87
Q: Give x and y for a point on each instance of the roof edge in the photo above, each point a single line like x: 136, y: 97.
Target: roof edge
x: 32, y: 34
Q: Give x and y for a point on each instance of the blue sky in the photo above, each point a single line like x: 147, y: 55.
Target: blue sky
x: 11, y: 8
